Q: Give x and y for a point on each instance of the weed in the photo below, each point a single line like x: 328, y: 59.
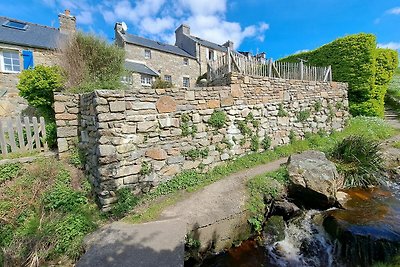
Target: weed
x: 243, y: 128
x: 145, y: 168
x: 227, y: 143
x: 396, y: 144
x: 292, y: 136
x: 126, y: 202
x: 254, y: 143
x: 217, y: 119
x: 195, y: 153
x: 303, y: 115
x: 281, y: 111
x: 317, y: 106
x: 9, y: 171
x: 266, y: 142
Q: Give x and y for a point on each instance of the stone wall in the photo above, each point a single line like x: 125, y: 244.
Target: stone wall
x: 11, y: 104
x: 165, y: 63
x: 139, y: 138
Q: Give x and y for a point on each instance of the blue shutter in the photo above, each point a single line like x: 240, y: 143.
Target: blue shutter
x: 28, y: 59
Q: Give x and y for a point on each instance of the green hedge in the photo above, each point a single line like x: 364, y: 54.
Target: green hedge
x: 356, y: 60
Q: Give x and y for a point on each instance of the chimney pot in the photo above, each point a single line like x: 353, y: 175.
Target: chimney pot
x: 67, y: 12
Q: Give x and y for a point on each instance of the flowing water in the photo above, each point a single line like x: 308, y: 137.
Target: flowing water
x: 366, y: 232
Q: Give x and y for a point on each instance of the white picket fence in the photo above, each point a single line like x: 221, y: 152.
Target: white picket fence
x: 18, y: 136
x: 234, y: 62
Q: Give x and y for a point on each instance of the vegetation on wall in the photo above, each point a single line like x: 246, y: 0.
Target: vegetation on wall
x: 161, y: 84
x: 91, y: 63
x: 356, y: 60
x: 217, y: 119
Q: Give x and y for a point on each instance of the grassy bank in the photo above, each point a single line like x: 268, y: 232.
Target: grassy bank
x: 45, y: 211
x: 170, y: 192
x: 393, y: 94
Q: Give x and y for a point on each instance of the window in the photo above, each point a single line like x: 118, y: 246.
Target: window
x: 210, y: 54
x: 168, y: 78
x: 147, y: 53
x: 127, y: 78
x: 146, y: 80
x: 186, y: 61
x: 15, y: 25
x: 10, y: 61
x: 186, y: 82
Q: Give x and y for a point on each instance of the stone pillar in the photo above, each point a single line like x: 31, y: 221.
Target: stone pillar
x: 67, y: 23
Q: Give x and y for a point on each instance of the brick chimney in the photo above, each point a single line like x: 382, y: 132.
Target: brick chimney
x: 67, y: 22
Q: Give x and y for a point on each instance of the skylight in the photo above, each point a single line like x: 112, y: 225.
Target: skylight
x: 15, y: 25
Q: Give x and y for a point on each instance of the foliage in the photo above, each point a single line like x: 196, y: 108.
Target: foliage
x: 356, y: 60
x: 243, y: 128
x: 281, y: 111
x: 259, y: 188
x: 44, y: 216
x: 9, y: 171
x: 195, y: 153
x: 266, y: 142
x: 217, y: 119
x: 161, y: 84
x: 51, y: 134
x: 185, y: 127
x: 201, y: 77
x: 393, y: 93
x: 254, y: 143
x: 395, y: 262
x: 145, y: 168
x: 317, y: 106
x: 359, y: 161
x: 37, y: 86
x: 303, y: 115
x: 292, y: 136
x: 91, y: 63
x: 126, y: 202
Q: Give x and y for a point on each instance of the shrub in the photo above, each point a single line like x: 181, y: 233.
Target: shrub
x: 37, y: 86
x: 359, y: 161
x: 160, y: 84
x: 91, y: 63
x: 9, y: 171
x: 281, y: 111
x: 217, y: 119
x: 303, y: 115
x: 126, y: 202
x: 266, y: 142
x: 356, y: 60
x: 254, y: 143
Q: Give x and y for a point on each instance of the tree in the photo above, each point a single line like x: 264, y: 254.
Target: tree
x: 91, y: 63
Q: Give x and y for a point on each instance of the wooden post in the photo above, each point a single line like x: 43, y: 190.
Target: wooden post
x: 301, y: 70
x: 3, y: 143
x: 229, y: 60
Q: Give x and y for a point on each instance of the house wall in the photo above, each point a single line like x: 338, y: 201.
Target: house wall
x: 124, y: 131
x: 165, y: 63
x: 11, y: 104
x: 203, y: 56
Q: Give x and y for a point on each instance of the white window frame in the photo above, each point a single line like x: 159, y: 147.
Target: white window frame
x: 184, y: 79
x: 147, y: 54
x: 2, y: 64
x: 210, y: 52
x: 169, y: 78
x: 146, y: 80
x: 185, y: 61
x: 127, y: 78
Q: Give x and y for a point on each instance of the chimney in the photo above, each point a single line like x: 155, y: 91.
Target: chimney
x: 183, y: 29
x: 228, y: 44
x: 67, y: 22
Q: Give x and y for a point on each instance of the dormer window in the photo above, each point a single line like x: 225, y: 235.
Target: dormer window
x: 15, y: 25
x: 147, y: 53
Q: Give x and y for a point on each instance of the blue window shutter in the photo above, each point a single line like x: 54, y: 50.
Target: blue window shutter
x: 28, y: 59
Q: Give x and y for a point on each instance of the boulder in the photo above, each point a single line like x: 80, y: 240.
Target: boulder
x: 286, y: 209
x: 313, y: 179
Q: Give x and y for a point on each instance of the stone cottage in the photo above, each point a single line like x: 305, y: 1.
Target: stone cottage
x: 180, y: 64
x: 24, y: 45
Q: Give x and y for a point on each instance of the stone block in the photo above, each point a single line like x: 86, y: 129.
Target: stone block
x: 128, y: 170
x: 117, y: 106
x: 62, y: 145
x: 227, y: 101
x: 189, y: 95
x: 166, y: 104
x: 188, y: 165
x: 168, y: 122
x: 66, y: 116
x: 156, y: 153
x: 213, y: 104
x: 236, y: 91
x: 169, y: 170
x: 175, y: 160
x: 59, y: 107
x: 125, y: 148
x: 106, y: 150
x: 146, y: 126
x: 67, y: 132
x: 110, y: 117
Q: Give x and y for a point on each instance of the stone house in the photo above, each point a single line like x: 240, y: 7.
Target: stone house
x: 180, y: 64
x: 24, y: 45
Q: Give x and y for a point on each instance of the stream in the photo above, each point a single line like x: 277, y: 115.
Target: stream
x: 365, y: 232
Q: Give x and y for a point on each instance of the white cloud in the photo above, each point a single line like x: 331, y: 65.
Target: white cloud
x: 394, y: 11
x: 159, y: 18
x: 391, y: 45
x: 301, y: 51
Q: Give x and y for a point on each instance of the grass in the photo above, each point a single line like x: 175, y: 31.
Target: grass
x: 190, y: 181
x: 16, y: 155
x: 393, y: 92
x: 44, y: 214
x: 395, y: 262
x: 396, y: 144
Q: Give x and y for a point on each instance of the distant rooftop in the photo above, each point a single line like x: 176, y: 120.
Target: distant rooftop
x: 139, y: 68
x: 23, y: 33
x: 137, y: 40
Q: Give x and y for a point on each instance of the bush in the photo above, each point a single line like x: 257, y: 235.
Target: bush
x: 217, y: 119
x: 356, y: 60
x: 266, y: 142
x: 37, y: 86
x: 359, y: 160
x: 160, y: 84
x: 91, y: 63
x: 9, y: 171
x: 126, y: 202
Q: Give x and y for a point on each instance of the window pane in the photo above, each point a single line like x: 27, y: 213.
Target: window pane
x: 16, y: 68
x: 6, y: 54
x: 15, y: 62
x: 8, y: 67
x: 7, y: 61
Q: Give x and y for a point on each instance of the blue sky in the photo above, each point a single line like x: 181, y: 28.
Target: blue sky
x: 278, y: 27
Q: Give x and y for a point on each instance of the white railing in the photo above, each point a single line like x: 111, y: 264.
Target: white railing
x: 266, y: 68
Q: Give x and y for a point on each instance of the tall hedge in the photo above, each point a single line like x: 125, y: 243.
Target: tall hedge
x: 356, y: 60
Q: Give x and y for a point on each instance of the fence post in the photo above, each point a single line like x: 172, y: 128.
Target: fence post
x: 229, y: 60
x: 301, y: 70
x: 270, y: 68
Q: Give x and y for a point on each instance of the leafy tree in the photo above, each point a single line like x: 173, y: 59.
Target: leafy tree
x: 91, y: 63
x: 37, y: 86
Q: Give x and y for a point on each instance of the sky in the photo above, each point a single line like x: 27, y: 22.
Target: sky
x: 277, y: 27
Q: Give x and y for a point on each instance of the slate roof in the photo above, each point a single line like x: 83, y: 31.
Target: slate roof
x: 34, y: 35
x: 139, y: 67
x: 137, y: 40
x: 208, y: 44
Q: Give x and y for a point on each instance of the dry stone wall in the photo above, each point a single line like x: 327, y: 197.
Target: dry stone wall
x: 139, y: 138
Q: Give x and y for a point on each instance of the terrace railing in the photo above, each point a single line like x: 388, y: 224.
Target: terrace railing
x: 234, y: 62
